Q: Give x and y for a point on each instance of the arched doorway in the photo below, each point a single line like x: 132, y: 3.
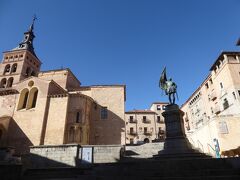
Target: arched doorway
x: 146, y: 140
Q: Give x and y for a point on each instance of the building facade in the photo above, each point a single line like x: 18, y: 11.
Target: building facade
x: 212, y: 113
x: 144, y: 126
x: 51, y: 107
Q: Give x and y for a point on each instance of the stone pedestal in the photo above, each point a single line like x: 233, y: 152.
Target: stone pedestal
x: 176, y: 144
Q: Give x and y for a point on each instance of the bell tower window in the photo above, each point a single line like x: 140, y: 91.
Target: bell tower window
x: 7, y: 69
x: 10, y: 82
x: 14, y: 68
x: 3, y: 83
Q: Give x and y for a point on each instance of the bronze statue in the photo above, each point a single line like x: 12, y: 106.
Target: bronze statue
x: 168, y: 86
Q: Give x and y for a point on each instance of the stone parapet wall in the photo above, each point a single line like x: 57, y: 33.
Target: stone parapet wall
x: 54, y: 155
x: 106, y: 153
x: 70, y: 155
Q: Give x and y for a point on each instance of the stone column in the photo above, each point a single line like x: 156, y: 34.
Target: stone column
x: 176, y: 144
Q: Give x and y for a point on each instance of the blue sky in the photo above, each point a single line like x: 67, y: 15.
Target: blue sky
x: 127, y: 41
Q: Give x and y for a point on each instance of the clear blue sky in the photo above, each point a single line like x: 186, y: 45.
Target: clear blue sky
x: 126, y: 41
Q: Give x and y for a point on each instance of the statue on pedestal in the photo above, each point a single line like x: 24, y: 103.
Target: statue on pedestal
x: 168, y: 86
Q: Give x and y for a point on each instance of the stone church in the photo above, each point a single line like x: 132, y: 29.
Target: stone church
x: 51, y: 107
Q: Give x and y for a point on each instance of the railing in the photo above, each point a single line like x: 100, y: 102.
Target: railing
x: 160, y: 121
x: 134, y: 133
x: 147, y: 133
x: 201, y: 148
x: 213, y: 96
x: 146, y: 121
x: 161, y: 132
x: 132, y: 121
x: 213, y: 150
x: 217, y: 110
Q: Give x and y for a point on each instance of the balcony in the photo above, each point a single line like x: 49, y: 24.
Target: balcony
x: 213, y: 96
x: 161, y: 132
x: 160, y: 121
x: 133, y: 133
x: 216, y: 110
x: 147, y: 133
x: 147, y: 121
x: 132, y: 121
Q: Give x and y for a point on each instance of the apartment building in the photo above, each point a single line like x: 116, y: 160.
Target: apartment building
x: 145, y: 126
x: 212, y: 113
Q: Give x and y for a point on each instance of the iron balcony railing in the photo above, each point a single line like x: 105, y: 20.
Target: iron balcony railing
x: 146, y: 121
x: 147, y: 132
x: 133, y: 133
x: 132, y: 121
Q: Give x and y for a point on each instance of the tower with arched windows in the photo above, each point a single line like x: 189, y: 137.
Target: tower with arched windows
x: 20, y: 62
x: 51, y: 107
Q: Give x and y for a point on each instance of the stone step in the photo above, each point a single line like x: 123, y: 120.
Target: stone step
x: 143, y: 169
x: 145, y: 178
x: 55, y: 172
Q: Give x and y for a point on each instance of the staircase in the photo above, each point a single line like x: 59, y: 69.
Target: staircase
x: 146, y: 169
x: 144, y: 150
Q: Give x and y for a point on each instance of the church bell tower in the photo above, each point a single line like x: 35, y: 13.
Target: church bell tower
x: 20, y: 62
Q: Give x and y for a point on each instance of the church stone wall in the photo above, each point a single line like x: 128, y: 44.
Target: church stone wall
x: 112, y: 129
x: 8, y: 104
x: 55, y: 127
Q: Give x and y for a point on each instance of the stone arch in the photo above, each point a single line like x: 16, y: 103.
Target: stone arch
x: 23, y: 99
x: 32, y: 99
x: 10, y: 82
x: 7, y: 68
x: 3, y: 83
x: 14, y: 68
x: 146, y: 140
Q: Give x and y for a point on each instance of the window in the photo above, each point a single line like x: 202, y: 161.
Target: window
x: 144, y: 118
x: 239, y: 92
x: 131, y: 130
x: 234, y: 95
x: 163, y: 107
x: 7, y: 69
x: 158, y: 107
x: 206, y: 85
x: 131, y: 120
x: 104, y: 113
x: 158, y: 119
x: 33, y: 73
x: 10, y: 82
x: 32, y: 98
x: 79, y: 117
x: 28, y: 71
x: 210, y: 80
x: 14, y: 68
x: 23, y: 99
x: 3, y: 83
x: 221, y: 85
x: 145, y: 129
x: 212, y: 110
x: 225, y: 104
